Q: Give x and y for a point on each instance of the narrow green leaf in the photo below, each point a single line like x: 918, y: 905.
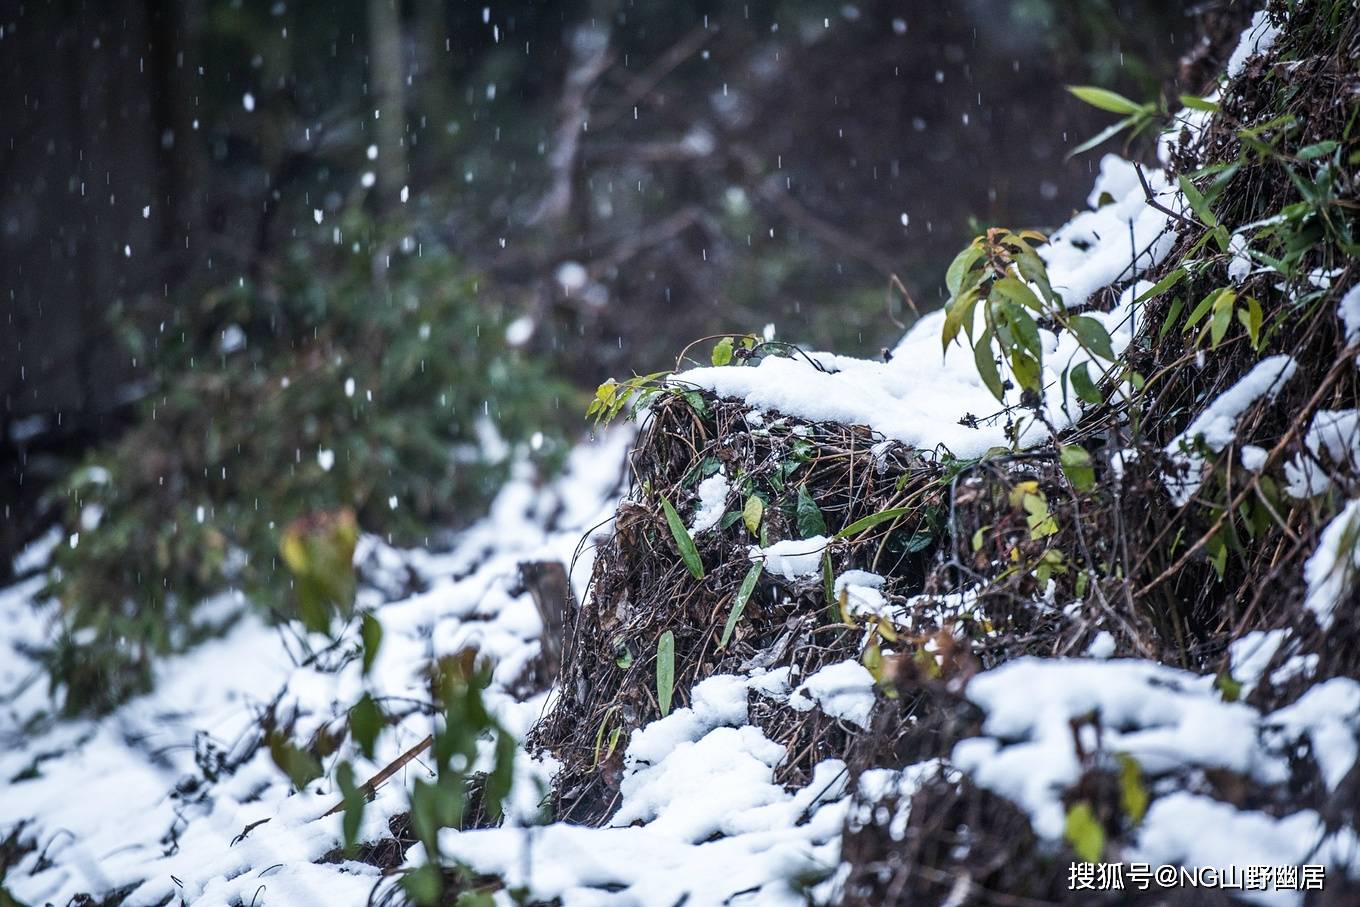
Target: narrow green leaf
x: 1105, y: 99
x: 872, y: 520
x: 748, y: 586
x: 1196, y: 103
x: 1092, y: 335
x: 1104, y: 135
x: 1171, y: 316
x: 1202, y: 309
x: 354, y: 804
x: 1133, y: 796
x: 371, y: 634
x: 828, y: 580
x: 1222, y: 317
x: 1084, y: 832
x: 1251, y: 318
x: 1316, y: 150
x: 1162, y: 285
x: 985, y: 360
x: 665, y: 671
x: 809, y: 515
x: 1198, y: 204
x: 688, y: 553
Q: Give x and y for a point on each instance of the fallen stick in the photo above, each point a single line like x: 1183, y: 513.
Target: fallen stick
x: 370, y: 787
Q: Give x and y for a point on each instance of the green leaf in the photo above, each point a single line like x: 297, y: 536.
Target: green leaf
x: 665, y: 671
x: 828, y: 582
x: 1202, y: 309
x: 1316, y: 150
x: 688, y: 553
x: 1027, y: 370
x: 722, y: 351
x: 1084, y: 832
x: 1170, y: 321
x: 1133, y: 796
x: 501, y: 777
x: 1222, y: 317
x: 354, y: 801
x: 958, y: 316
x: 1198, y: 203
x: 1092, y: 335
x: 1251, y: 318
x: 1076, y: 463
x: 1016, y: 291
x: 871, y: 521
x: 299, y: 765
x: 959, y: 268
x: 1105, y: 134
x: 1086, y: 388
x: 1024, y: 329
x: 1032, y: 269
x: 985, y: 360
x: 1162, y: 285
x: 365, y: 723
x: 1105, y: 99
x: 1230, y: 688
x: 809, y: 515
x: 752, y: 513
x: 748, y: 585
x: 1196, y: 103
x: 371, y: 633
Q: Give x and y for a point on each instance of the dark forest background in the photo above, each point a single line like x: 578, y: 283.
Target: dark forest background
x: 218, y: 218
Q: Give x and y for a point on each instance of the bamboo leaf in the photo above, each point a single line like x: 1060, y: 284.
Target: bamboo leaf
x: 872, y: 520
x: 1105, y: 99
x: 1251, y: 318
x: 1108, y: 132
x: 665, y: 671
x: 1197, y: 103
x: 1222, y: 317
x: 688, y: 553
x: 748, y: 586
x: 1162, y: 285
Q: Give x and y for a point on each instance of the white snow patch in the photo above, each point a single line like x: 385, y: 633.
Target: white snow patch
x: 1216, y: 426
x: 1258, y: 38
x: 843, y: 690
x: 713, y: 492
x: 792, y: 558
x: 1330, y: 570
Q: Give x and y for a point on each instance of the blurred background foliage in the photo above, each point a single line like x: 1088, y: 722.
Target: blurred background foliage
x: 262, y: 260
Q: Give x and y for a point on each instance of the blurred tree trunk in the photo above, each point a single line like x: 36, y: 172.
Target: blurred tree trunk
x: 432, y: 30
x: 387, y: 75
